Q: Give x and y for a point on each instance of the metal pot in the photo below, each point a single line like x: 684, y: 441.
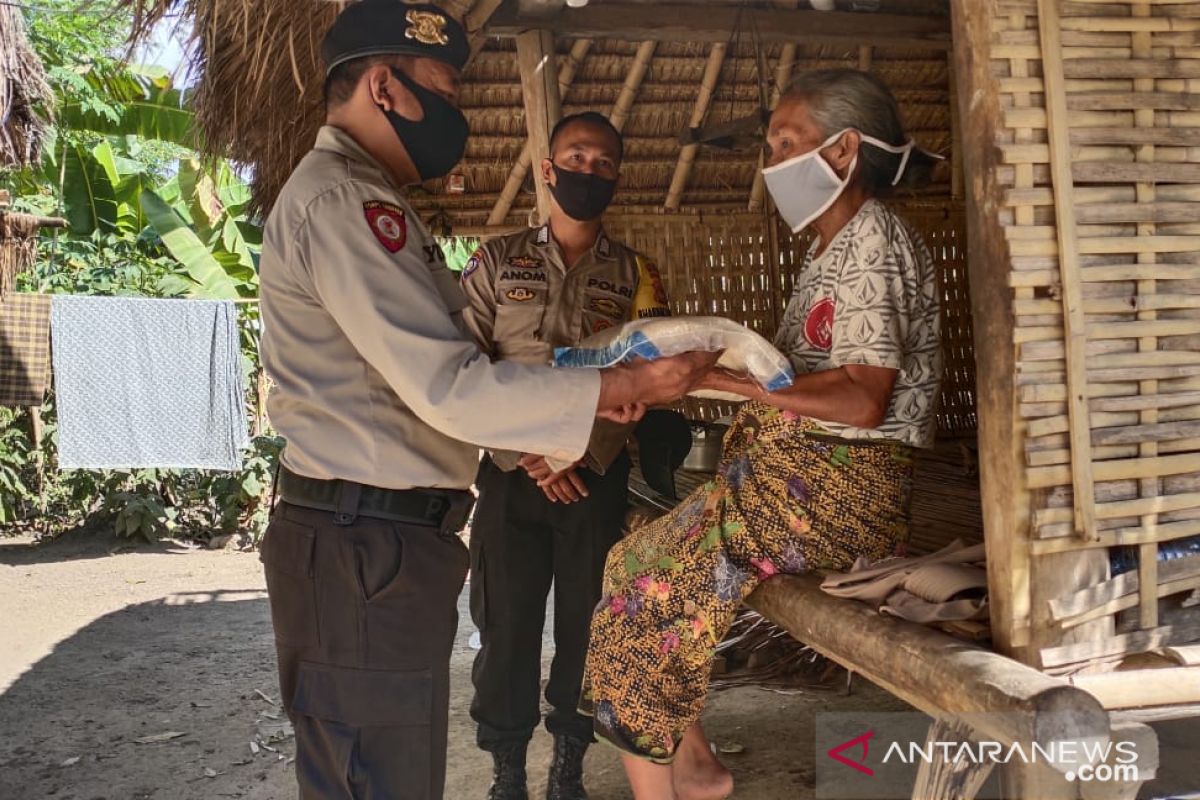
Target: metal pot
x: 706, y: 447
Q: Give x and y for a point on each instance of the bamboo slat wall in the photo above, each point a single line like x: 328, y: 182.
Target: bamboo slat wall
x: 1101, y: 211
x: 722, y: 265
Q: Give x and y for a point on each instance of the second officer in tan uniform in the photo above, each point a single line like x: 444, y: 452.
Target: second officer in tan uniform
x: 530, y: 292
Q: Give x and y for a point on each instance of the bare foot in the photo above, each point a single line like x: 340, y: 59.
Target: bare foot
x: 696, y: 772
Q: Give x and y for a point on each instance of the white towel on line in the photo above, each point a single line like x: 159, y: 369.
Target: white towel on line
x: 147, y: 383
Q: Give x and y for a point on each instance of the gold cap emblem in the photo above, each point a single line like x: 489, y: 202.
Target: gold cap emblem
x: 426, y: 27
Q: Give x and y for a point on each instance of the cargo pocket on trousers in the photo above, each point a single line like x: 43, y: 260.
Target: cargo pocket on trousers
x: 288, y: 552
x: 396, y: 706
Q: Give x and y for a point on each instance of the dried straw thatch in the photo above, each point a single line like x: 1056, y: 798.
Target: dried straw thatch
x: 258, y: 101
x: 25, y: 97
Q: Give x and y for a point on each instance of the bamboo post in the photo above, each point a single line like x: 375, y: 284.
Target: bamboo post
x: 543, y: 103
x: 1005, y: 497
x: 687, y: 156
x: 39, y: 456
x: 633, y: 82
x: 1075, y: 333
x: 956, y: 165
x: 1148, y: 487
x: 516, y: 177
x: 783, y: 73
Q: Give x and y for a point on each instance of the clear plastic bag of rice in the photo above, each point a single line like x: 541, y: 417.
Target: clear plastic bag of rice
x: 744, y: 350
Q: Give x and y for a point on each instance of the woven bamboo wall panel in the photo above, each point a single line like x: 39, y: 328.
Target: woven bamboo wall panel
x: 721, y: 265
x: 1102, y: 217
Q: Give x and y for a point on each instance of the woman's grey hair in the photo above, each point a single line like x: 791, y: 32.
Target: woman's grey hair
x: 848, y: 98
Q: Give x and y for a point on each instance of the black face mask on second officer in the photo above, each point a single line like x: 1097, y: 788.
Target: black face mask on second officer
x: 437, y: 141
x: 581, y: 195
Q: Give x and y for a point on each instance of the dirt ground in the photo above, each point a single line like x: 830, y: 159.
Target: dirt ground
x: 149, y: 673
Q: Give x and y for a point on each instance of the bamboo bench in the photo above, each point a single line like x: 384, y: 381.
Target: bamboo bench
x: 968, y: 690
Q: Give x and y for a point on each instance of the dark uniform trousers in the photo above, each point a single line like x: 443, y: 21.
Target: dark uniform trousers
x: 520, y: 544
x: 365, y: 616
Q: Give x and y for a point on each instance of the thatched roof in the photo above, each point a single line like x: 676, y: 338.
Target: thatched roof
x: 25, y: 97
x: 258, y: 99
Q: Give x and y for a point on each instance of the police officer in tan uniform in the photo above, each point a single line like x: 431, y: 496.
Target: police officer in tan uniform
x: 380, y: 394
x: 530, y: 292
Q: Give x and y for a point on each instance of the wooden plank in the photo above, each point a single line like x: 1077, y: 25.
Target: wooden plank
x: 1140, y: 642
x: 1107, y: 172
x: 1138, y: 212
x: 687, y: 155
x: 1180, y: 136
x: 1116, y: 101
x: 1131, y: 68
x: 543, y: 104
x: 1130, y: 24
x: 1045, y: 477
x: 1121, y: 537
x: 1087, y: 600
x: 516, y: 176
x: 688, y: 23
x: 1074, y: 318
x: 1005, y: 499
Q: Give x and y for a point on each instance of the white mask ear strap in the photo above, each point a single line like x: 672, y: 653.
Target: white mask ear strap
x: 903, y: 163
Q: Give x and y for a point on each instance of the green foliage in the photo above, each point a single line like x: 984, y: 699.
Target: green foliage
x: 147, y: 218
x: 458, y: 249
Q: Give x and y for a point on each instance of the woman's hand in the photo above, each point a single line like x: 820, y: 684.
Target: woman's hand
x: 722, y: 380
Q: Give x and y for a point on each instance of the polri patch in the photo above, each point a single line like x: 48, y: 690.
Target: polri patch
x: 471, y: 266
x: 387, y: 223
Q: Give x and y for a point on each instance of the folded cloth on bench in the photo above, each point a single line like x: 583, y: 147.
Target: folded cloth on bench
x: 940, y: 587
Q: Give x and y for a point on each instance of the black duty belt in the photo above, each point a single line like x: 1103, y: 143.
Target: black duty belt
x: 441, y: 508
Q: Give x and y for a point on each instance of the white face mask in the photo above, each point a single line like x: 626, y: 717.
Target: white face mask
x: 804, y: 187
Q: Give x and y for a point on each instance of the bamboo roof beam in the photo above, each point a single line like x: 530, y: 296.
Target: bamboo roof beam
x: 687, y: 156
x: 783, y: 74
x: 687, y: 23
x: 516, y: 177
x: 474, y: 22
x: 543, y: 103
x: 633, y: 82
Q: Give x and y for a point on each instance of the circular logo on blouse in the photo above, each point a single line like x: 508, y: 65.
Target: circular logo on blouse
x: 818, y: 325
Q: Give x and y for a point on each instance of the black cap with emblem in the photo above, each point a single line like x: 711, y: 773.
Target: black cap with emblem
x: 385, y: 27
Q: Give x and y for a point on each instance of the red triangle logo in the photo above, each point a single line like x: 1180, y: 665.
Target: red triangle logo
x: 860, y: 765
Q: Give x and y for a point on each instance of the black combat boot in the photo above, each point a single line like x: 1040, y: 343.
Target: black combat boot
x: 566, y: 770
x: 508, y: 774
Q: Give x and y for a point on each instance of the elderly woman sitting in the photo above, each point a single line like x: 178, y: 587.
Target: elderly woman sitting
x: 811, y: 477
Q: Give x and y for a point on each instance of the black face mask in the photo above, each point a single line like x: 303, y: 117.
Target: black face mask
x: 437, y: 142
x: 581, y: 195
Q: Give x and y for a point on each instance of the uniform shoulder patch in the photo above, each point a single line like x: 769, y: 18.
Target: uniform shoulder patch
x: 387, y: 222
x: 472, y: 265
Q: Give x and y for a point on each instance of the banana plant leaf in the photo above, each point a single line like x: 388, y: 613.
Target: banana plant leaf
x: 200, y: 264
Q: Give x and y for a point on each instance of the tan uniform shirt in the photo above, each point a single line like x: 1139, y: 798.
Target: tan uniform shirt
x: 375, y: 378
x: 524, y: 302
